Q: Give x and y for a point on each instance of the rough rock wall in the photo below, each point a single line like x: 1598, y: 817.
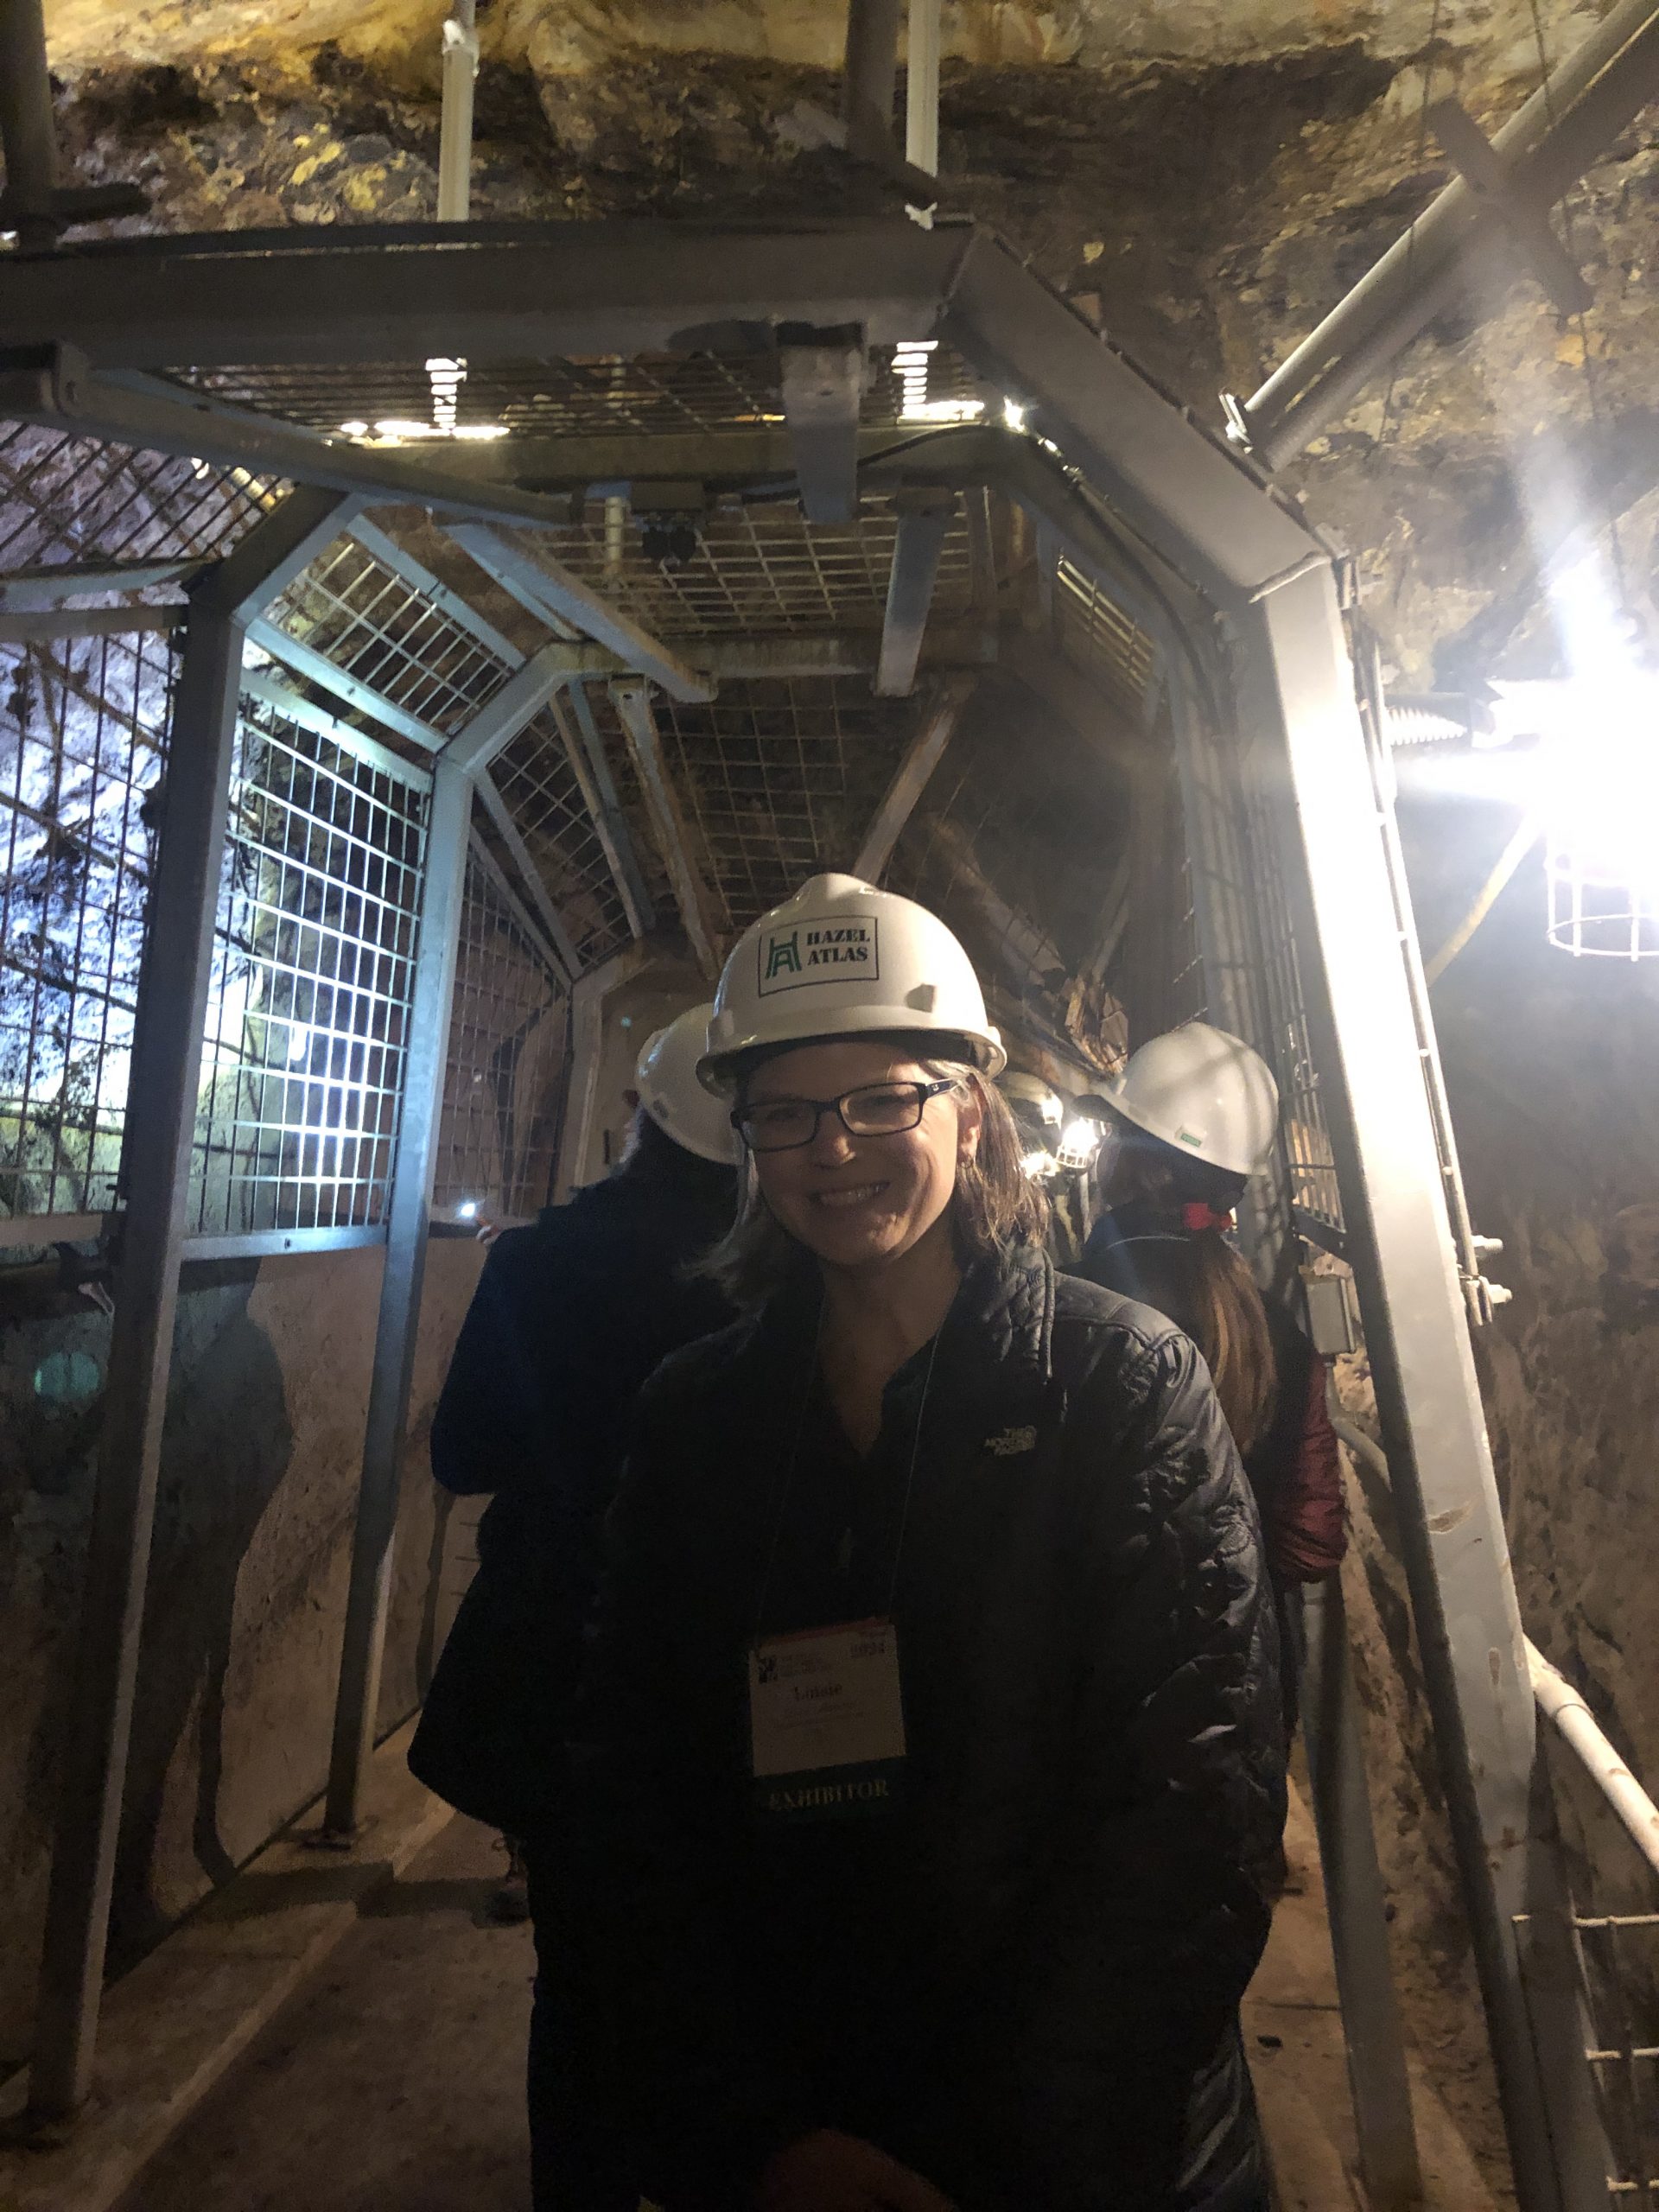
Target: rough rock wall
x: 259, y: 1465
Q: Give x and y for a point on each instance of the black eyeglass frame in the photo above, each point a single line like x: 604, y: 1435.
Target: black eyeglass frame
x: 821, y: 1106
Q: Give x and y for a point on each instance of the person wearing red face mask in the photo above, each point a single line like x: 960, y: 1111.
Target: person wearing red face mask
x: 930, y: 1732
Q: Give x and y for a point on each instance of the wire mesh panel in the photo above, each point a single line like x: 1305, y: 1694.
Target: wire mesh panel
x: 381, y: 629
x: 83, y: 745
x: 1097, y: 637
x: 540, y: 791
x: 64, y: 497
x: 648, y: 395
x: 782, y: 779
x: 313, y: 970
x: 509, y: 1063
x: 759, y: 570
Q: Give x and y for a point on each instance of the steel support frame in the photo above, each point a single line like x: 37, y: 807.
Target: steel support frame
x: 573, y: 713
x: 409, y: 1217
x: 924, y: 516
x: 161, y: 1124
x: 922, y: 756
x: 687, y: 871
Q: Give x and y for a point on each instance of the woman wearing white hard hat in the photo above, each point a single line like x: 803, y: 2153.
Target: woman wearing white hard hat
x: 930, y: 1728
x: 570, y: 1316
x: 1196, y: 1115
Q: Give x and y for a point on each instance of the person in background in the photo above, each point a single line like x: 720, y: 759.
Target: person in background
x: 1195, y: 1113
x: 570, y: 1316
x: 930, y: 1730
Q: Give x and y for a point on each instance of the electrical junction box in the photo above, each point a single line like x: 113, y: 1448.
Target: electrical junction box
x: 1332, y: 1314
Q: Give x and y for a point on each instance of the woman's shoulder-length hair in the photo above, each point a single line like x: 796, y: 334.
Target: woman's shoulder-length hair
x: 995, y: 1207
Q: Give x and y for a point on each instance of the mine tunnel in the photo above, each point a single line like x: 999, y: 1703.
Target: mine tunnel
x: 525, y: 528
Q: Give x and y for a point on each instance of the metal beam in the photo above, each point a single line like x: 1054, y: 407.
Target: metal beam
x: 1465, y: 145
x: 54, y: 386
x: 161, y: 1124
x: 924, y: 517
x: 922, y: 756
x: 922, y: 44
x: 682, y: 855
x: 88, y: 622
x: 573, y: 717
x: 317, y: 668
x: 851, y: 653
x: 50, y: 583
x: 33, y: 204
x: 605, y: 462
x: 559, y: 594
x: 1544, y: 148
x: 506, y: 291
x: 824, y: 375
x: 363, y: 1643
x: 499, y: 720
x: 549, y: 935
x: 294, y: 707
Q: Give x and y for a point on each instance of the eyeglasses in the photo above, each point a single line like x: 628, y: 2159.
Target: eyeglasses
x: 877, y: 1110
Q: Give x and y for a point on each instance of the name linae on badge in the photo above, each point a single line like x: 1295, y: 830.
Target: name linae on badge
x: 826, y: 1720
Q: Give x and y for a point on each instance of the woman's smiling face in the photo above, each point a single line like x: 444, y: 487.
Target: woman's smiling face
x: 861, y: 1202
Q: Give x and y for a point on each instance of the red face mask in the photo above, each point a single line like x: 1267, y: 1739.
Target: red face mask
x: 1197, y: 1215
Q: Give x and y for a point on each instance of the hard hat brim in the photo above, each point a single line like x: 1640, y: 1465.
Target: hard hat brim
x: 719, y: 1072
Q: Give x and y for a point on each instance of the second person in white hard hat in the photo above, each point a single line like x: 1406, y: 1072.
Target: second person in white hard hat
x: 1196, y: 1112
x: 931, y: 1729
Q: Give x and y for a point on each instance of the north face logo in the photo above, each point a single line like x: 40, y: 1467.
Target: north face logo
x: 1009, y: 1441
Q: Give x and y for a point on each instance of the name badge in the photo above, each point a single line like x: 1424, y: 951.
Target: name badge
x: 827, y: 1720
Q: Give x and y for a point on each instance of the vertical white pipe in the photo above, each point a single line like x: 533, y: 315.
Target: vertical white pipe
x: 455, y: 133
x: 922, y: 86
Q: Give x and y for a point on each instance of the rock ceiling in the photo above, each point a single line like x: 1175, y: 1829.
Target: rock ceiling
x: 1206, y: 176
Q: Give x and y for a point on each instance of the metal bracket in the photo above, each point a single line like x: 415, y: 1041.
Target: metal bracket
x: 1489, y: 177
x: 824, y: 374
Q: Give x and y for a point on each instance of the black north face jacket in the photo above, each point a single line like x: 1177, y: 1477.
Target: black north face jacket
x: 1022, y: 1979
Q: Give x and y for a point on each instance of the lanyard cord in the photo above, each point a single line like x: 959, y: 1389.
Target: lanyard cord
x: 910, y: 1477
x: 786, y: 1483
x: 785, y: 1488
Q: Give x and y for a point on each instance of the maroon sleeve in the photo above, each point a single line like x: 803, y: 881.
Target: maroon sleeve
x: 1308, y: 1533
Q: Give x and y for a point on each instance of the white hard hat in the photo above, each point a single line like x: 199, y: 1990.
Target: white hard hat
x: 1022, y: 1089
x: 1204, y: 1093
x: 671, y: 1094
x: 842, y: 959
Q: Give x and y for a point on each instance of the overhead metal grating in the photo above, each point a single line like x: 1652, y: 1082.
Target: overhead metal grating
x: 782, y: 779
x: 83, y: 748
x: 649, y: 395
x: 314, y: 965
x: 386, y: 632
x: 758, y: 570
x: 70, y: 497
x: 508, y: 1052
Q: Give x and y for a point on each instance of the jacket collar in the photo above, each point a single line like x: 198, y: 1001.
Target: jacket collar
x: 997, y: 1344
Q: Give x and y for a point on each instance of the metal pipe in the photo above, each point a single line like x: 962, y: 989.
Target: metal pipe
x: 363, y: 1643
x: 1560, y: 1703
x: 456, y: 129
x: 161, y: 1125
x: 922, y: 86
x: 27, y: 129
x: 1588, y: 100
x: 1357, y: 1908
x: 872, y: 75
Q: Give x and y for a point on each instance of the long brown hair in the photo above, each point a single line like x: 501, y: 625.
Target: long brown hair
x: 1206, y: 1288
x: 995, y: 1207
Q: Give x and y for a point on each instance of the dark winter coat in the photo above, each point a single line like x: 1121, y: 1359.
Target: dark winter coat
x: 570, y: 1317
x: 1023, y: 1980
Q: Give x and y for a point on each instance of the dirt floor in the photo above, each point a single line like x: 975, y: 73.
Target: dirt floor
x: 424, y: 2111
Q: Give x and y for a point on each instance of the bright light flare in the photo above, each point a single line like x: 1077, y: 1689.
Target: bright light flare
x: 1079, y: 1143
